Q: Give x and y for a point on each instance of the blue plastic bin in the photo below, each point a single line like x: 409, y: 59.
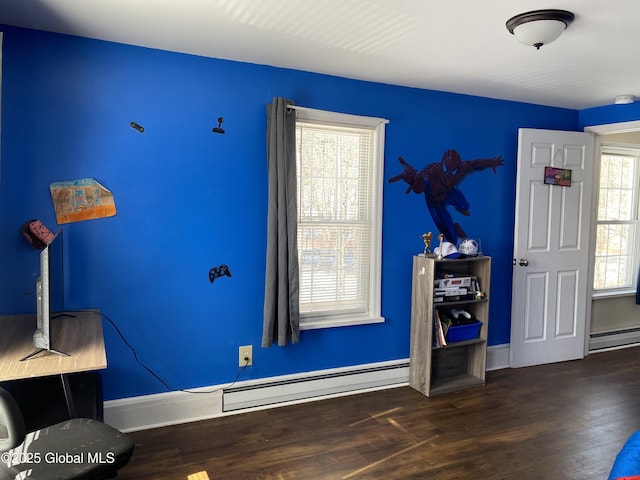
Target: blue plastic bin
x: 458, y: 333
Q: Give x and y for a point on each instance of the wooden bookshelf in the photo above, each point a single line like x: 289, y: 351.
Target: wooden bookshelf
x: 434, y: 370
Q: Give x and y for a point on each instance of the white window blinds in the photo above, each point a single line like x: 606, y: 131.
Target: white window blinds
x: 339, y: 218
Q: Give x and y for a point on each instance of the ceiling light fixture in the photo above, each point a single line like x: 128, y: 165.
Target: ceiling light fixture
x: 539, y: 27
x: 625, y: 99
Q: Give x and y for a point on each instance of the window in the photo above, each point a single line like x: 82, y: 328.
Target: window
x: 339, y: 165
x: 617, y: 252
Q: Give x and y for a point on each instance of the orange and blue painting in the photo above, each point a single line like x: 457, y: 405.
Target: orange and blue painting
x: 78, y: 200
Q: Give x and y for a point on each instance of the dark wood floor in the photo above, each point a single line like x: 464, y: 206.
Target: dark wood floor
x: 559, y: 421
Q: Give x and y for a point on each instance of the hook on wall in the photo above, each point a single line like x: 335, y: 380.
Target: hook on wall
x: 137, y: 126
x: 219, y: 128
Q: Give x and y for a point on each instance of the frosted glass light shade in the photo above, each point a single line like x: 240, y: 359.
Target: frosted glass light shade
x: 539, y: 33
x: 539, y: 27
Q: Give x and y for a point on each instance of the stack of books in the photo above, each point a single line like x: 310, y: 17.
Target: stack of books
x: 451, y: 288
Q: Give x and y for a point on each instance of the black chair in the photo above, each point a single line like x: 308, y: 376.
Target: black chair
x: 79, y: 448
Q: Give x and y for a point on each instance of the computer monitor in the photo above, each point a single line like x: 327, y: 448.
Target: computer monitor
x: 49, y: 296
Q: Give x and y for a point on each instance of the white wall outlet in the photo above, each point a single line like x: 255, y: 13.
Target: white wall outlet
x: 245, y: 356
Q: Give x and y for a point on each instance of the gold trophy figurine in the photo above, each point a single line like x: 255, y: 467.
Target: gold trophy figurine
x: 426, y: 238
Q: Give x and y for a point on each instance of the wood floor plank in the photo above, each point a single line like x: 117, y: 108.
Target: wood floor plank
x: 558, y: 421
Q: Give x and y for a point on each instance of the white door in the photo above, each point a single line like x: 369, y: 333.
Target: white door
x: 551, y: 288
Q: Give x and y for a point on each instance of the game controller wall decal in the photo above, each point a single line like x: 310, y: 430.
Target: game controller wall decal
x: 220, y: 270
x: 219, y: 128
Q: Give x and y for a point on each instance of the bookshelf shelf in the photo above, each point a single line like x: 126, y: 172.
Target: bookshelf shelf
x: 452, y: 384
x: 471, y: 341
x: 436, y: 369
x: 459, y: 302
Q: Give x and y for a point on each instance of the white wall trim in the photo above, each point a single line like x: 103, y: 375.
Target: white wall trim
x: 622, y: 127
x: 171, y: 408
x: 162, y: 409
x: 615, y: 339
x: 319, y: 384
x: 498, y: 357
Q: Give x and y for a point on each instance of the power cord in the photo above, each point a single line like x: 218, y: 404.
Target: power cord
x: 158, y: 377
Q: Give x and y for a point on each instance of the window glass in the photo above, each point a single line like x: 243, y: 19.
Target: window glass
x: 617, y: 251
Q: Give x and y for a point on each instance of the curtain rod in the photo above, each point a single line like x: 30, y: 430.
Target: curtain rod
x: 353, y: 117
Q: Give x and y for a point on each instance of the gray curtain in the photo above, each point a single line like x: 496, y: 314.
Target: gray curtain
x: 281, y: 290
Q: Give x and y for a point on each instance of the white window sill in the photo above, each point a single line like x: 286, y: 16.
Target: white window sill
x: 613, y: 293
x: 315, y: 323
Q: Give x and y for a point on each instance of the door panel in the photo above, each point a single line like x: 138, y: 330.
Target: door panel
x: 566, y: 311
x: 551, y: 254
x: 570, y: 217
x: 539, y: 218
x: 536, y: 297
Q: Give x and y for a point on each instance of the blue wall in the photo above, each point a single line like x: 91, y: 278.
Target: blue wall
x: 189, y: 199
x: 609, y: 114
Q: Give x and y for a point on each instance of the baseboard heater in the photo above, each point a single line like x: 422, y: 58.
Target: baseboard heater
x: 293, y: 388
x: 616, y: 338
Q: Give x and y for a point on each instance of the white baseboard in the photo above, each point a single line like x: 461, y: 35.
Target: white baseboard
x: 162, y: 409
x: 498, y: 357
x: 618, y: 338
x: 319, y: 384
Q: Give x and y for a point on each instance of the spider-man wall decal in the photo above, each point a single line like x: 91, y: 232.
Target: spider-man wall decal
x: 439, y: 181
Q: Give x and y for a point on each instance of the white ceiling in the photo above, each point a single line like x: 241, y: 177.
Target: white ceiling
x: 455, y: 46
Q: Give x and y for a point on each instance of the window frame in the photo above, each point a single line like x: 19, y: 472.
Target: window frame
x: 622, y: 149
x: 312, y: 321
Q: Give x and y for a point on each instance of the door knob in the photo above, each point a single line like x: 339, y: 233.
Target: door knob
x: 523, y: 262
